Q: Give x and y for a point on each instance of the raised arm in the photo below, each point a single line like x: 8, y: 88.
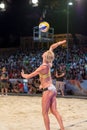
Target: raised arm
x: 55, y: 45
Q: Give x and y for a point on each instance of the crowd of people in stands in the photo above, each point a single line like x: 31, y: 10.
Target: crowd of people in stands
x: 29, y: 60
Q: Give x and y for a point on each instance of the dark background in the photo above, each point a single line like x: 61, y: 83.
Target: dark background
x: 20, y: 18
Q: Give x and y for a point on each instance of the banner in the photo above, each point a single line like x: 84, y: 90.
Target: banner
x: 76, y: 87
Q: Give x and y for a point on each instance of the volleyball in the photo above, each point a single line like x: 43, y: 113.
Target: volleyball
x: 44, y: 26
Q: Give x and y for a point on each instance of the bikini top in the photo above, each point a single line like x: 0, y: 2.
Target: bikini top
x: 47, y: 74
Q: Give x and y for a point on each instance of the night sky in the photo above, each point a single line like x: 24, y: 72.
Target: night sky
x: 20, y: 17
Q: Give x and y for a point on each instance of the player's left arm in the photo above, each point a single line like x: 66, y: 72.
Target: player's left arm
x: 33, y: 74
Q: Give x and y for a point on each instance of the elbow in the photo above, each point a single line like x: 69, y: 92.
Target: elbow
x: 27, y: 77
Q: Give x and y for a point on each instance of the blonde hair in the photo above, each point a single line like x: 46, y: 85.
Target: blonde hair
x: 3, y: 69
x: 49, y: 56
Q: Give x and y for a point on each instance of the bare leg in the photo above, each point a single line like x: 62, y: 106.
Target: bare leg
x: 56, y: 113
x: 2, y: 91
x: 6, y: 91
x: 45, y: 109
x: 49, y: 102
x: 61, y: 88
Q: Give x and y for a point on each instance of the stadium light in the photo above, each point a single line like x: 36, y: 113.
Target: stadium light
x: 70, y: 3
x: 34, y: 3
x: 2, y: 6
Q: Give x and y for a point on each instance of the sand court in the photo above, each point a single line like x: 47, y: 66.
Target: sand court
x: 24, y: 113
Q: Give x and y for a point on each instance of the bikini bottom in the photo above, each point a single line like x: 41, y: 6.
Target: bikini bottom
x: 50, y: 88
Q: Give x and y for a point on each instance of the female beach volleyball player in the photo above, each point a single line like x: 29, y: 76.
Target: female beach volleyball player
x: 49, y: 90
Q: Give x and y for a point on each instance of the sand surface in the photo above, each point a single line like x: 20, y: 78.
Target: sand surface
x: 24, y: 113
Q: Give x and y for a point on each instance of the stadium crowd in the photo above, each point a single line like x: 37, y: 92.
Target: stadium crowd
x: 29, y: 60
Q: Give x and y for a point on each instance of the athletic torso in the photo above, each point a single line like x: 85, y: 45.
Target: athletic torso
x: 45, y: 76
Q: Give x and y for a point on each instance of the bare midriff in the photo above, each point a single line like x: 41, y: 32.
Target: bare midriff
x: 45, y: 78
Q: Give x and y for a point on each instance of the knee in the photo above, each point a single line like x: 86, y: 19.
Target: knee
x: 54, y: 112
x: 44, y: 112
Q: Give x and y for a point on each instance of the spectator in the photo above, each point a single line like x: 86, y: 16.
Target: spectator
x: 4, y: 82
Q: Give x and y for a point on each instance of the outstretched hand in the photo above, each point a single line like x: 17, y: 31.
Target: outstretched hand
x: 64, y: 41
x: 22, y: 72
x: 61, y: 42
